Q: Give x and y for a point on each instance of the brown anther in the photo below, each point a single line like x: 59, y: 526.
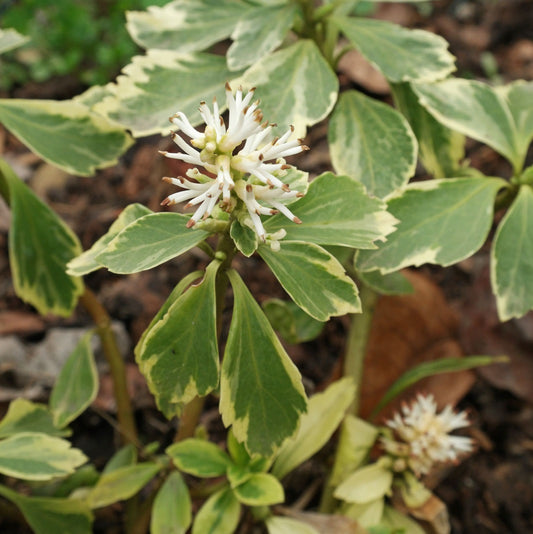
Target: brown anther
x: 260, y: 157
x: 167, y: 179
x: 286, y: 188
x: 292, y: 128
x: 275, y: 140
x: 285, y: 167
x: 202, y: 103
x: 163, y: 152
x: 252, y: 90
x: 190, y: 223
x: 228, y: 86
x: 166, y: 202
x: 273, y: 212
x: 249, y: 188
x: 221, y: 121
x: 173, y: 134
x: 188, y: 205
x: 171, y: 118
x: 296, y: 220
x: 300, y: 195
x: 304, y: 147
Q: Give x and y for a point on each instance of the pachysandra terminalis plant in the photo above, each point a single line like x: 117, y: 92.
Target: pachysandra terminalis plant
x: 364, y: 219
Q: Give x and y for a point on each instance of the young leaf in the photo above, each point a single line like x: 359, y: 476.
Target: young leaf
x: 309, y: 86
x: 325, y: 412
x: 244, y: 236
x: 26, y: 416
x: 86, y: 263
x: 399, y: 53
x: 261, y: 393
x: 237, y: 475
x: 171, y: 513
x: 180, y: 363
x: 46, y: 515
x: 288, y: 525
x: 124, y: 457
x: 336, y: 211
x: 199, y: 458
x: 433, y: 217
x: 33, y: 456
x: 398, y: 521
x: 440, y: 149
x: 66, y: 133
x: 443, y: 365
x: 121, y: 484
x: 148, y: 242
x: 77, y: 384
x: 367, y: 514
x: 476, y: 110
x: 301, y: 267
x: 260, y: 489
x: 366, y: 484
x: 219, y: 515
x: 372, y: 143
x: 145, y: 95
x: 10, y: 39
x: 185, y: 26
x: 512, y: 258
x: 253, y: 39
x: 40, y: 246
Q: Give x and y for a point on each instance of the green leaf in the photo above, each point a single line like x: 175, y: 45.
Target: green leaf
x: 435, y: 367
x: 302, y: 268
x: 398, y: 521
x: 171, y: 513
x: 145, y: 96
x: 433, y: 217
x: 261, y: 489
x: 77, y: 384
x: 366, y: 484
x: 26, y: 416
x: 336, y: 211
x: 290, y: 321
x: 253, y: 39
x: 219, y: 515
x: 325, y: 412
x: 287, y: 525
x: 124, y: 457
x: 86, y: 262
x: 148, y: 242
x: 185, y: 26
x: 33, y: 456
x: 121, y: 484
x: 66, y: 133
x: 244, y: 235
x: 46, y: 515
x: 199, y: 458
x: 295, y: 85
x: 386, y: 284
x: 10, y: 39
x: 40, y: 246
x: 238, y: 474
x: 399, y: 53
x: 476, y: 110
x: 180, y: 363
x: 512, y: 258
x: 367, y: 514
x: 261, y: 393
x: 440, y: 149
x: 372, y: 143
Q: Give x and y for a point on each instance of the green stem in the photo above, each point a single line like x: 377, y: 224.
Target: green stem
x: 358, y: 335
x: 99, y: 315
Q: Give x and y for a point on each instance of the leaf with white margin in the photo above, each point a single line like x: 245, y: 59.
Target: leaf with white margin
x: 301, y: 268
x: 180, y: 363
x: 288, y: 525
x: 10, y: 39
x: 372, y: 143
x: 253, y: 39
x: 148, y: 242
x: 399, y: 53
x: 66, y: 133
x: 26, y: 416
x: 154, y: 87
x: 261, y: 392
x: 86, y: 263
x: 220, y: 514
x: 40, y: 246
x: 50, y: 514
x: 476, y: 110
x: 34, y: 456
x: 199, y: 457
x: 512, y: 258
x: 336, y: 211
x: 260, y: 489
x: 433, y: 217
x: 295, y: 85
x: 441, y: 150
x: 186, y: 25
x: 325, y: 412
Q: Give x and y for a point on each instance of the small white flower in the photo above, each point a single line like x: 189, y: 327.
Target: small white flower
x: 422, y: 436
x: 252, y: 174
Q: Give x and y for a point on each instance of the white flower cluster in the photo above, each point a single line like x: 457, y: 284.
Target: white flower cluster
x: 422, y: 436
x: 252, y: 173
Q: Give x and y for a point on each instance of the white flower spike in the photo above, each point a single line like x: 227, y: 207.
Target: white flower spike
x: 241, y: 162
x: 422, y: 436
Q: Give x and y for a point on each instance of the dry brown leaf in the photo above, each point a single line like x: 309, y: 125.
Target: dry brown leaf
x: 326, y: 524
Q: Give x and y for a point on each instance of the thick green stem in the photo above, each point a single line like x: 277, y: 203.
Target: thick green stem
x: 358, y: 335
x: 99, y: 315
